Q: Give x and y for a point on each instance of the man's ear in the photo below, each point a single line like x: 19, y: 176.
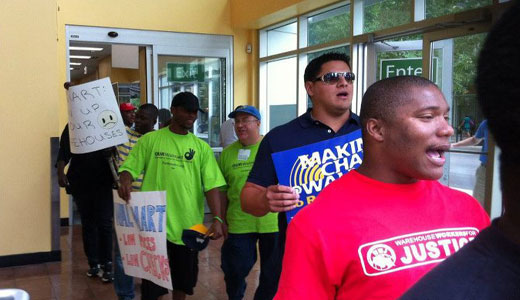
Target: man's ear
x: 309, y: 88
x: 375, y: 129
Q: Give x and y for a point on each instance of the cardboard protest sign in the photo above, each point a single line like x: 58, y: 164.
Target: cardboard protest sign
x: 141, y: 235
x: 95, y: 121
x: 310, y: 168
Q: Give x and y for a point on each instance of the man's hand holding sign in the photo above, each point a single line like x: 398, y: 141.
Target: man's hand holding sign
x: 125, y: 186
x: 281, y: 198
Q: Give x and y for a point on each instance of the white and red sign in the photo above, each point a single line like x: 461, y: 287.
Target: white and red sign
x: 141, y: 235
x: 412, y: 250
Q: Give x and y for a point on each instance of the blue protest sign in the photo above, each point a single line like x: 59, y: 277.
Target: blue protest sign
x: 310, y: 168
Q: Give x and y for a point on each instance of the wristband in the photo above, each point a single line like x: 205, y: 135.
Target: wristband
x: 218, y: 219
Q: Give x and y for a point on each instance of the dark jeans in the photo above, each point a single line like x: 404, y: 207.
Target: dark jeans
x: 239, y: 256
x: 96, y: 211
x: 123, y: 284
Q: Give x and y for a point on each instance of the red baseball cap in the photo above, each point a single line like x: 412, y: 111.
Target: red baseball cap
x: 126, y: 106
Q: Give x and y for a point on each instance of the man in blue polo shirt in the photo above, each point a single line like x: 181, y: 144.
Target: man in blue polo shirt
x: 480, y: 175
x: 329, y: 84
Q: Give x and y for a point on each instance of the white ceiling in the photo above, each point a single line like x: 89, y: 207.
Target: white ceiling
x: 91, y: 64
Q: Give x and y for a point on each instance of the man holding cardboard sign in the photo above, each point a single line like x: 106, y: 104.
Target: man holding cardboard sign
x: 94, y: 124
x: 175, y: 160
x: 145, y: 119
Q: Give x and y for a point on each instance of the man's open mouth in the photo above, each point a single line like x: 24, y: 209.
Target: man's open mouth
x: 436, y: 153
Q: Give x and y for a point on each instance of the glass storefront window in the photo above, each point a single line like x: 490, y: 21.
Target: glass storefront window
x: 437, y: 8
x: 462, y: 55
x: 281, y: 91
x: 381, y: 14
x: 329, y: 26
x: 457, y: 66
x: 342, y: 49
x: 282, y: 39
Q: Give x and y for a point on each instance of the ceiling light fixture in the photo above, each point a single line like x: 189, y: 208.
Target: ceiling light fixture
x: 85, y: 48
x: 80, y: 56
x: 75, y: 63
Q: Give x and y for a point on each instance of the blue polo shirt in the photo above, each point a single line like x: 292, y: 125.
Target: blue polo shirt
x: 297, y: 133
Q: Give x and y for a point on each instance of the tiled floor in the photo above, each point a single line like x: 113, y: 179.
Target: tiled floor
x: 67, y: 280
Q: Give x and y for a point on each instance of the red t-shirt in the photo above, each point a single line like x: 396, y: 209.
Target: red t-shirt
x: 365, y: 239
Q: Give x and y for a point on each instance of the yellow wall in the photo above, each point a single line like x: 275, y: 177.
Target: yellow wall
x: 142, y: 74
x: 117, y: 74
x: 32, y: 39
x: 29, y: 117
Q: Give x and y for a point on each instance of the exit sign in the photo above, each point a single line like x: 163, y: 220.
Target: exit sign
x: 185, y: 72
x: 404, y: 66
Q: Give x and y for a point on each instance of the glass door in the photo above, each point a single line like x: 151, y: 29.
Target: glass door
x: 203, y: 67
x: 202, y: 76
x: 204, y: 71
x: 453, y: 66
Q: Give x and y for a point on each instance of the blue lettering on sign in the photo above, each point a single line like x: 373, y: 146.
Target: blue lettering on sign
x: 144, y: 225
x: 144, y: 217
x: 151, y: 211
x: 135, y: 212
x: 122, y: 217
x: 161, y: 209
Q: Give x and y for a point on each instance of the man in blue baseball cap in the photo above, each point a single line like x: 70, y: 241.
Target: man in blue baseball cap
x: 239, y: 252
x: 247, y: 109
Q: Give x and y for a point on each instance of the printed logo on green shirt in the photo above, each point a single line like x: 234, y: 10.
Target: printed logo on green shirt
x: 189, y: 155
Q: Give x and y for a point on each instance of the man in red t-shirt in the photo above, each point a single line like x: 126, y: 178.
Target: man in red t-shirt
x: 375, y: 231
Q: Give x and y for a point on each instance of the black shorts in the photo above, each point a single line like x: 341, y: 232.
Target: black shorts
x: 184, y: 270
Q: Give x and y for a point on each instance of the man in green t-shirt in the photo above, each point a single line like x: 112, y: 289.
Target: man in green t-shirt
x: 176, y: 161
x: 239, y: 252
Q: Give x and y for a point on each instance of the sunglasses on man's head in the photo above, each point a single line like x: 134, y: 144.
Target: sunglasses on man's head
x: 333, y: 77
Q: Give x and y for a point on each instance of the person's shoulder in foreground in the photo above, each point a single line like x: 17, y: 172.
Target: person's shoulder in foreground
x: 486, y: 268
x: 375, y: 231
x: 489, y: 267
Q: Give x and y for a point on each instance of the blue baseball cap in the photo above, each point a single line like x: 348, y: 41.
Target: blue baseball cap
x: 248, y: 109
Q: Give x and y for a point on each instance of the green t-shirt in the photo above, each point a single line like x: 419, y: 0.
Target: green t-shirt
x: 235, y: 162
x: 182, y: 165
